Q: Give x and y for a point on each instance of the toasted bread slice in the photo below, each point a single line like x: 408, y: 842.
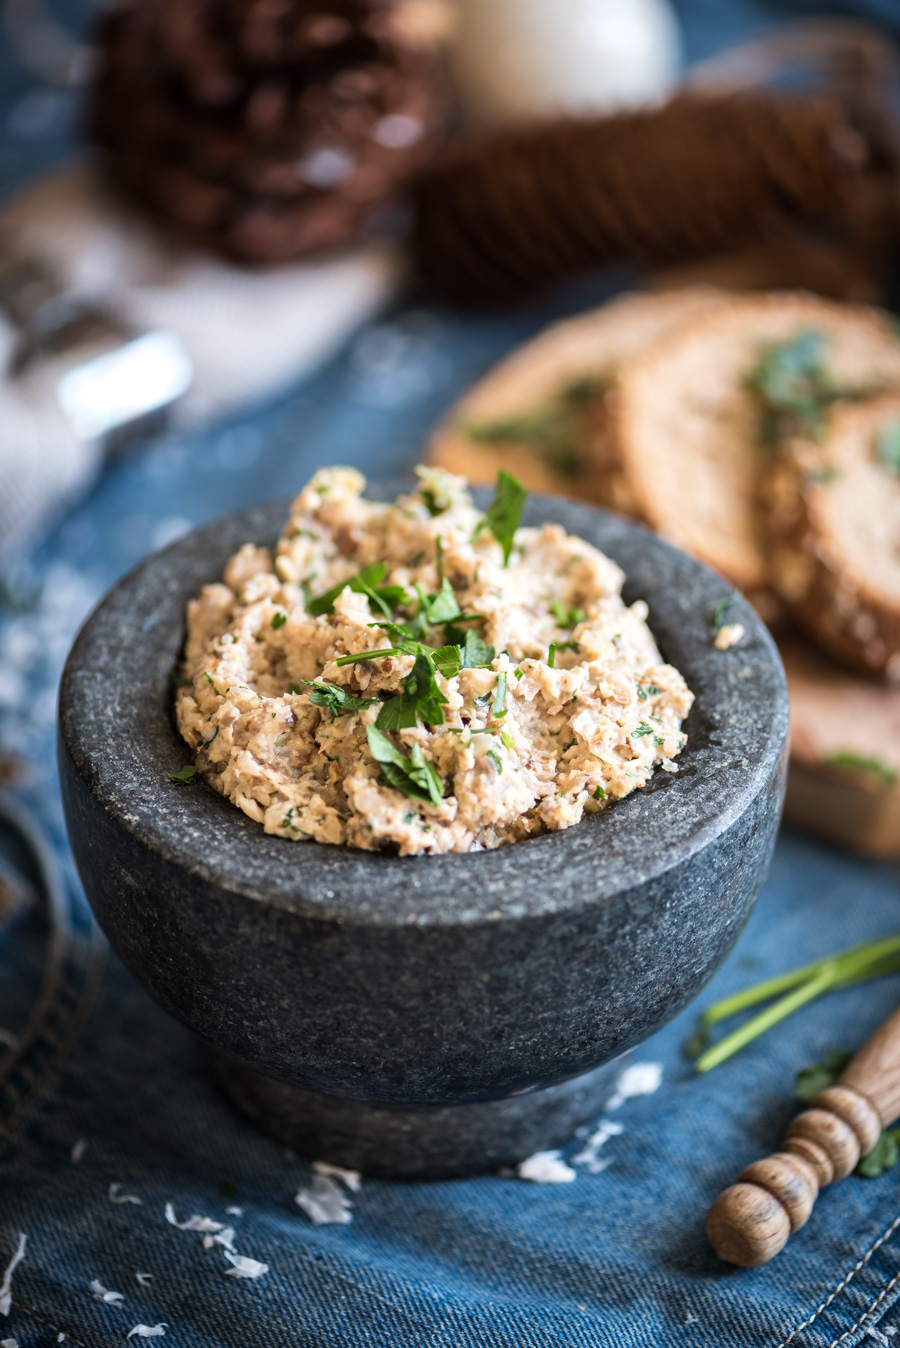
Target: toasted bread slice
x: 834, y: 527
x: 688, y: 425
x: 534, y: 385
x: 844, y: 782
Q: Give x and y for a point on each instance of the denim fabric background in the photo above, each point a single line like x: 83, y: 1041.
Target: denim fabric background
x: 615, y: 1258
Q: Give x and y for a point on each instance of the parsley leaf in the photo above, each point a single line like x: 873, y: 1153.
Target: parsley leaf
x: 367, y: 582
x: 599, y: 793
x: 503, y: 514
x: 409, y: 774
x: 795, y: 388
x: 875, y: 768
x: 185, y: 776
x: 338, y: 700
x: 642, y: 730
x: 883, y: 1156
x: 551, y: 656
x: 476, y: 654
x: 555, y: 431
x: 279, y: 620
x: 722, y: 608
x: 439, y: 608
x: 421, y: 700
x: 567, y: 617
x: 887, y: 446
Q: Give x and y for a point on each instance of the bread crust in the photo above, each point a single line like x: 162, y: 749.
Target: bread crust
x: 686, y: 426
x: 833, y: 522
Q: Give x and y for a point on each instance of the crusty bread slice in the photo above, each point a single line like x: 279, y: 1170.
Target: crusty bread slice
x: 589, y: 347
x: 833, y: 521
x: 687, y: 426
x: 844, y: 782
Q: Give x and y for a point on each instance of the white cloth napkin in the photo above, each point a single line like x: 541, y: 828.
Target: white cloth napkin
x: 248, y: 334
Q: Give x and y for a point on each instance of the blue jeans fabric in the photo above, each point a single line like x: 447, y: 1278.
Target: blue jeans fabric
x: 612, y: 1260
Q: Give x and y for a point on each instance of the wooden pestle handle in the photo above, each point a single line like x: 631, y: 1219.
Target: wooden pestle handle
x: 751, y: 1221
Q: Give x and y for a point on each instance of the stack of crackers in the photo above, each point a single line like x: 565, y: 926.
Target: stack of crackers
x: 761, y: 433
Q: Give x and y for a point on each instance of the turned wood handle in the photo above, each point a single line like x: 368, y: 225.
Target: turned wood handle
x: 751, y: 1221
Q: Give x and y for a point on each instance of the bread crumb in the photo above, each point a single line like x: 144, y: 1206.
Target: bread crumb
x: 729, y: 636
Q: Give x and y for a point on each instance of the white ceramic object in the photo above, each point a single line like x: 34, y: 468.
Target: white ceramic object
x: 520, y: 58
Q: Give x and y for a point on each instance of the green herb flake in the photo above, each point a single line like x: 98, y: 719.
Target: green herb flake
x: 410, y: 774
x: 887, y: 446
x: 366, y: 581
x: 496, y: 760
x: 209, y: 678
x: 874, y: 768
x: 642, y: 693
x: 294, y: 688
x: 339, y: 701
x: 567, y: 617
x: 279, y: 620
x: 185, y: 776
x: 883, y: 1156
x: 642, y: 730
x: 503, y: 514
x: 722, y: 608
x: 421, y: 699
x: 599, y: 793
x: 555, y: 431
x: 519, y: 673
x: 551, y: 656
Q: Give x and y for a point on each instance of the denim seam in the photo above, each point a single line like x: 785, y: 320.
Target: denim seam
x: 64, y: 1041
x: 867, y: 1315
x: 46, y: 1323
x: 842, y: 1286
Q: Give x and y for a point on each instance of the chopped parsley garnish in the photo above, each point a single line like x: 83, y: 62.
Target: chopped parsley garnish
x: 439, y: 608
x: 338, y: 700
x: 496, y: 760
x: 279, y: 620
x: 367, y: 581
x: 551, y: 656
x: 209, y: 678
x: 503, y: 514
x: 499, y: 708
x: 567, y: 617
x: 185, y: 776
x: 421, y: 700
x: 555, y: 431
x: 722, y: 608
x: 599, y: 793
x: 409, y: 774
x: 519, y: 673
x: 876, y: 768
x: 507, y: 740
x: 568, y: 646
x: 887, y: 446
x: 795, y: 388
x: 642, y: 693
x: 642, y: 730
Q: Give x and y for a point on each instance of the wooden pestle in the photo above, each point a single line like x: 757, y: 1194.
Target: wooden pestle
x: 750, y: 1222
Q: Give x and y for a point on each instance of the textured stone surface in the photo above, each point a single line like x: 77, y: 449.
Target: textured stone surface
x: 420, y: 980
x: 431, y: 1142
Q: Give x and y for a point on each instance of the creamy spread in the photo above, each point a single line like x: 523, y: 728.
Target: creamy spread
x: 422, y: 677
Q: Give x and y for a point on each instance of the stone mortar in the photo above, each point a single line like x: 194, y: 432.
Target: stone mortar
x: 369, y: 1001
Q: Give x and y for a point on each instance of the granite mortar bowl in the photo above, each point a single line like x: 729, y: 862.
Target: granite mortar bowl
x: 420, y: 1016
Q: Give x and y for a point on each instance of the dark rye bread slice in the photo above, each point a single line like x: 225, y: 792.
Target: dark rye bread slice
x: 586, y: 350
x: 833, y: 521
x: 687, y: 426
